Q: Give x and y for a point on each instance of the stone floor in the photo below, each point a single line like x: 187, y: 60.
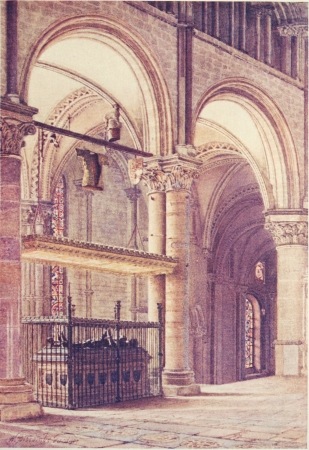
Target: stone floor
x: 262, y: 413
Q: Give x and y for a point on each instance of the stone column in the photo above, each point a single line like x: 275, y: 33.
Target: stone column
x: 242, y: 25
x: 184, y: 72
x: 290, y: 235
x: 133, y: 195
x: 16, y: 396
x: 258, y: 34
x: 268, y: 36
x: 180, y: 172
x: 155, y: 180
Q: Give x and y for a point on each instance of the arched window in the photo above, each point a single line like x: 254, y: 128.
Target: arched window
x: 57, y: 272
x: 249, y: 335
x: 252, y: 334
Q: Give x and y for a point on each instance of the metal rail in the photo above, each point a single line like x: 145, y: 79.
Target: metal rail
x: 93, y: 140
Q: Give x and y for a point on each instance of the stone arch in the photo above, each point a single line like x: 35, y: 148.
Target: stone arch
x: 73, y: 105
x: 158, y: 134
x: 208, y: 153
x: 279, y: 148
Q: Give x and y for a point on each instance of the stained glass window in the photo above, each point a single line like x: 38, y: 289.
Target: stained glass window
x: 58, y: 210
x: 57, y: 272
x: 249, y: 324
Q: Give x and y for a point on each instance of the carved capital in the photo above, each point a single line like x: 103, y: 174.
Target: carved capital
x: 262, y: 10
x: 176, y: 177
x: 154, y: 178
x: 181, y: 177
x: 286, y: 233
x: 293, y: 30
x: 12, y: 135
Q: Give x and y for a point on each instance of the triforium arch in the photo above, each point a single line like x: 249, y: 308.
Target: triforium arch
x: 277, y: 149
x: 135, y: 53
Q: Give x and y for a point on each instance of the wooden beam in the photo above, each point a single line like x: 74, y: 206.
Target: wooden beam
x: 93, y: 140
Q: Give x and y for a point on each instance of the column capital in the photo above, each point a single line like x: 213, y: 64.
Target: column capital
x: 287, y: 229
x: 263, y: 10
x: 171, y: 173
x: 12, y: 135
x: 15, y: 124
x: 293, y: 30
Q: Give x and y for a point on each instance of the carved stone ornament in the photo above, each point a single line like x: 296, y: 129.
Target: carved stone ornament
x: 175, y: 178
x: 36, y: 219
x: 293, y: 30
x: 12, y: 135
x: 285, y: 233
x: 154, y: 178
x: 181, y: 178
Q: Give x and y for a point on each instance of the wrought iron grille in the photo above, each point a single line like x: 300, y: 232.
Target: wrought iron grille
x: 75, y: 363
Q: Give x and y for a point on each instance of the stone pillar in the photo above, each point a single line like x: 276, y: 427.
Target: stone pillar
x: 268, y: 36
x: 180, y: 173
x: 258, y: 34
x: 12, y: 50
x: 242, y: 25
x: 184, y: 72
x: 133, y: 195
x: 16, y: 396
x: 155, y: 180
x: 290, y: 235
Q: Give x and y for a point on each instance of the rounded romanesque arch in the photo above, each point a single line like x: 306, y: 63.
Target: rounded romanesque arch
x: 267, y: 145
x: 117, y: 37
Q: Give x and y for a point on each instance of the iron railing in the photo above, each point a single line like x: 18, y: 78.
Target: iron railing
x: 75, y: 362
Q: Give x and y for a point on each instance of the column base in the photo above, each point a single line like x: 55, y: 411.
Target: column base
x: 178, y: 377
x: 16, y: 400
x: 179, y: 383
x: 289, y: 358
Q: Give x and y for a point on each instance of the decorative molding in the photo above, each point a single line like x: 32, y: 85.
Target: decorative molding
x: 98, y: 257
x: 288, y: 342
x: 12, y: 136
x: 68, y: 103
x: 287, y: 233
x: 220, y: 147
